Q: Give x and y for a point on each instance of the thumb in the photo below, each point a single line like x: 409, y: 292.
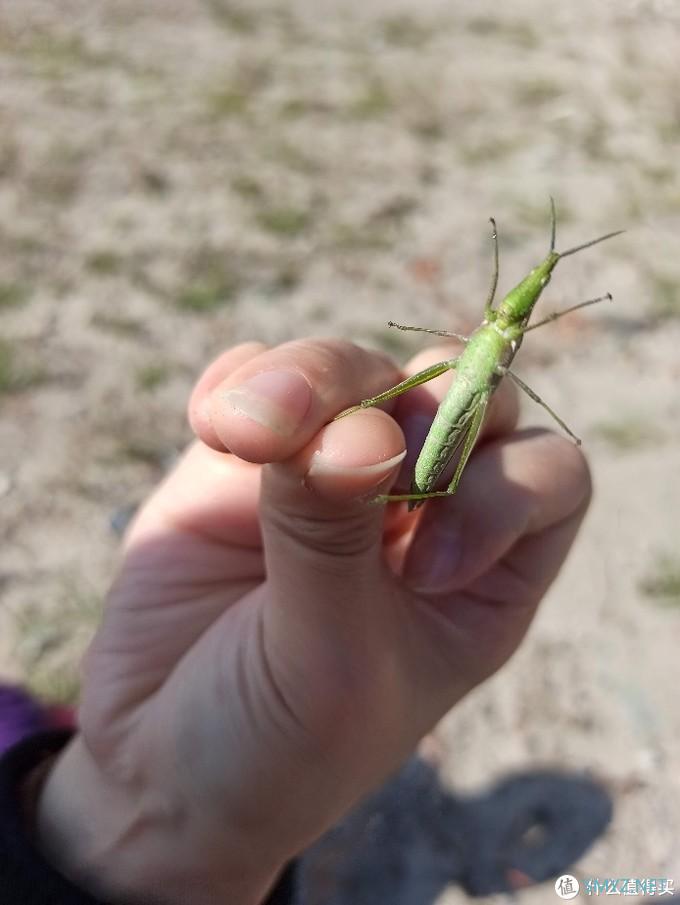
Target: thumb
x: 328, y: 626
x: 322, y: 539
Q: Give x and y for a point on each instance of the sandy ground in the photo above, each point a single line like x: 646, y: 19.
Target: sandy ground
x: 179, y: 176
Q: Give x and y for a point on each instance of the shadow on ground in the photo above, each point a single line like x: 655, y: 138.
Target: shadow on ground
x: 408, y: 842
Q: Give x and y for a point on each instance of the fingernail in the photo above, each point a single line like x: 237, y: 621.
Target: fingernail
x: 434, y: 558
x: 377, y: 470
x: 278, y: 400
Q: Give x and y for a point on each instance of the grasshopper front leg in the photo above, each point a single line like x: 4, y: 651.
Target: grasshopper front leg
x: 436, y: 370
x: 447, y: 333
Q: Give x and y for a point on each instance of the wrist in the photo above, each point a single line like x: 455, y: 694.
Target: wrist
x: 121, y: 842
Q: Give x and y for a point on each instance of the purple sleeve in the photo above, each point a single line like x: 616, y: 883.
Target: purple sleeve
x: 26, y: 878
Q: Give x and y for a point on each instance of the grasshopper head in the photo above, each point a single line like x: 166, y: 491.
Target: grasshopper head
x: 518, y: 304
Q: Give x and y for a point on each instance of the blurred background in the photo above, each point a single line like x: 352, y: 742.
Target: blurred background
x: 177, y: 176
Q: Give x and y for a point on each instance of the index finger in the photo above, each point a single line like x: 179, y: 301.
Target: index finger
x: 270, y: 406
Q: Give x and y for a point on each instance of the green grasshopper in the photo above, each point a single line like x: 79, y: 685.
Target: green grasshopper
x: 486, y: 359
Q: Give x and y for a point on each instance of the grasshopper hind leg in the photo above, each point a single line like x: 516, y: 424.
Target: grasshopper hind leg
x: 417, y: 499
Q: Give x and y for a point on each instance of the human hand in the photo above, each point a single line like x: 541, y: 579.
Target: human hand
x: 274, y: 646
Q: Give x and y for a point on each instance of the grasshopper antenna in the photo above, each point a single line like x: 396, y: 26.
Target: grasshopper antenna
x: 572, y: 251
x: 553, y: 224
x: 494, y: 276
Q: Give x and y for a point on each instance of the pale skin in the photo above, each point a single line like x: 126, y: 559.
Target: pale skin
x: 229, y: 719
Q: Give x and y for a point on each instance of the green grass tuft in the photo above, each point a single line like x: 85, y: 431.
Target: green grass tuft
x: 297, y: 107
x: 429, y: 127
x: 489, y: 149
x: 154, y: 181
x: 103, y: 262
x: 16, y: 376
x: 287, y: 278
x: 234, y: 17
x: 50, y: 642
x: 209, y: 280
x: 204, y: 297
x: 12, y: 295
x: 665, y: 294
x: 247, y: 187
x: 627, y: 433
x: 151, y: 376
x: 117, y: 324
x: 367, y: 237
x: 537, y: 91
x: 373, y: 102
x: 595, y: 139
x: 142, y: 451
x: 522, y: 34
x: 406, y: 31
x: 56, y: 56
x: 286, y: 222
x: 57, y: 179
x: 229, y: 101
x: 662, y: 582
